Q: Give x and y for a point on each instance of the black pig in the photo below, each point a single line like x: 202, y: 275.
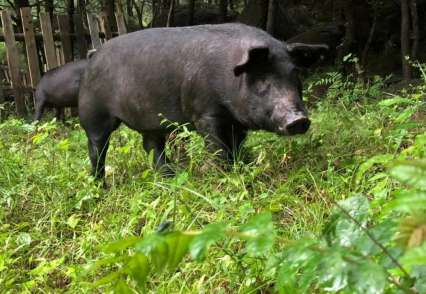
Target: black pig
x: 58, y: 88
x: 223, y: 79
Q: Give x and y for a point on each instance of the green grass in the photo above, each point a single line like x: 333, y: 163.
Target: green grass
x: 55, y: 218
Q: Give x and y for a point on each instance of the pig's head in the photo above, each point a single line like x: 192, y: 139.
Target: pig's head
x: 270, y: 90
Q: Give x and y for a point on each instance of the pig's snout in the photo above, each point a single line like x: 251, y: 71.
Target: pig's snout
x: 298, y: 124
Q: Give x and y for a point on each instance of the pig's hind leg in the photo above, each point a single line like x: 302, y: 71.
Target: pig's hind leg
x: 98, y: 127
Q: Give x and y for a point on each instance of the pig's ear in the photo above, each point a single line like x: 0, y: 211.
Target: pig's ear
x: 304, y: 55
x: 251, y: 57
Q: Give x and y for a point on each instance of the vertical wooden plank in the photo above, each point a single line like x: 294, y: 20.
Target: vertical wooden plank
x: 13, y: 62
x: 80, y: 38
x: 94, y: 31
x: 121, y: 24
x: 31, y: 46
x: 64, y: 31
x: 105, y: 26
x: 49, y: 43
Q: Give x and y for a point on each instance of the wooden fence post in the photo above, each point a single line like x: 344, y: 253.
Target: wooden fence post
x: 64, y: 30
x: 13, y: 62
x: 49, y: 43
x: 31, y: 46
x: 94, y: 31
x: 121, y: 24
x: 105, y: 26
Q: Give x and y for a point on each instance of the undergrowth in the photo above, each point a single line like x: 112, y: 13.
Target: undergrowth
x: 340, y: 209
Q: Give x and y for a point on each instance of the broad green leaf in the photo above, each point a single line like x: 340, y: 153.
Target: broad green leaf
x: 156, y: 249
x: 286, y: 280
x: 334, y: 273
x: 110, y: 278
x: 178, y: 247
x: 111, y: 260
x: 382, y: 232
x: 419, y: 273
x: 407, y: 201
x: 368, y: 278
x: 343, y: 229
x: 406, y: 114
x: 260, y: 234
x: 138, y: 269
x: 210, y: 234
x: 412, y: 173
x: 414, y: 257
x: 122, y: 288
x: 121, y: 245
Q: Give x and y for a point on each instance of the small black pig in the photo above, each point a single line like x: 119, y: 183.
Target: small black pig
x: 58, y: 88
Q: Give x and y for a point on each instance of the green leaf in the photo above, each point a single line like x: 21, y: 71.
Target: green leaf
x: 260, y: 234
x: 210, y: 234
x: 72, y: 221
x: 378, y: 159
x: 120, y: 245
x: 46, y: 267
x: 412, y: 173
x: 343, y: 229
x: 419, y: 273
x: 24, y: 239
x: 156, y: 249
x: 407, y: 201
x: 178, y: 243
x: 110, y: 278
x: 406, y: 114
x: 335, y: 270
x: 368, y: 278
x: 382, y: 232
x: 414, y: 257
x: 138, y: 269
x: 286, y: 280
x: 122, y: 288
x: 396, y: 101
x: 111, y: 260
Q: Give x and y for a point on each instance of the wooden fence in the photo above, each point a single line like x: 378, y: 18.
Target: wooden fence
x: 58, y: 38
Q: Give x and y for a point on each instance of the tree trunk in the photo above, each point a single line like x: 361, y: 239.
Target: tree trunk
x: 405, y: 39
x: 270, y: 20
x: 171, y: 13
x: 345, y: 17
x: 154, y: 12
x: 108, y: 12
x: 129, y: 7
x: 414, y: 27
x: 191, y: 12
x: 223, y: 6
